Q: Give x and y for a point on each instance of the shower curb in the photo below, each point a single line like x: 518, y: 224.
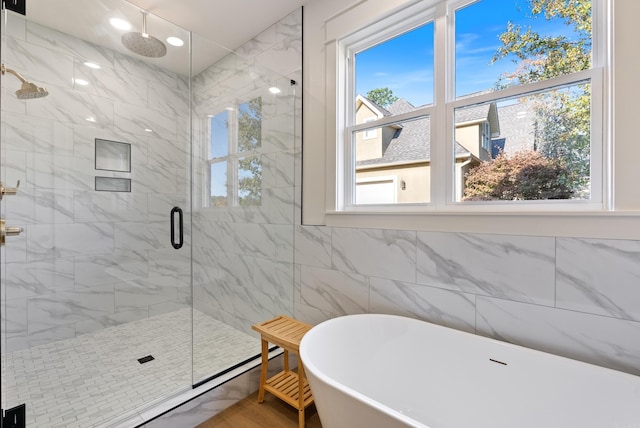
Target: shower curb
x: 192, y: 407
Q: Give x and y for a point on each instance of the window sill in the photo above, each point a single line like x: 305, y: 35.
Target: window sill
x: 601, y: 224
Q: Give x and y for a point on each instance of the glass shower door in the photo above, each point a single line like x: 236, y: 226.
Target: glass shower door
x: 96, y: 290
x: 243, y: 201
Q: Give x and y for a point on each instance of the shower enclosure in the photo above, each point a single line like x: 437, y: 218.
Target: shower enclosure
x: 147, y: 206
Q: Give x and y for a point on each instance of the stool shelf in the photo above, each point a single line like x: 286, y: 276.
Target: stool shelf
x: 286, y: 333
x: 284, y: 385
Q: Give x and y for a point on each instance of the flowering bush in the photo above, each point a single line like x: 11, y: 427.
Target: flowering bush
x: 525, y: 175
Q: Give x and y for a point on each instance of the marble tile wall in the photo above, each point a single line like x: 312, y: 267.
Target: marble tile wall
x: 578, y: 298
x: 87, y: 260
x: 243, y: 256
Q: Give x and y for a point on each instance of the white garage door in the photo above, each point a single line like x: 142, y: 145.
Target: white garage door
x: 378, y: 190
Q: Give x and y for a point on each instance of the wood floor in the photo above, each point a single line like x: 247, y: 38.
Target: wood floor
x: 272, y: 413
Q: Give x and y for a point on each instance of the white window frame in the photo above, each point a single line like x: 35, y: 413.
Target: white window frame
x: 445, y: 103
x: 228, y: 159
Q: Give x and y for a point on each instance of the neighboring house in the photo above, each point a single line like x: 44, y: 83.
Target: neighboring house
x: 517, y: 130
x: 393, y: 162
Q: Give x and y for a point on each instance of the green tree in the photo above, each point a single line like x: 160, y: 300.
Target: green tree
x: 526, y: 175
x: 562, y: 116
x: 538, y: 56
x: 382, y: 96
x: 249, y: 139
x: 563, y: 130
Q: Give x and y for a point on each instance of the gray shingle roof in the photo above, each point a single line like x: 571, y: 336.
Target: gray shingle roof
x: 516, y: 128
x: 473, y: 113
x: 411, y: 142
x: 401, y: 106
x: 382, y: 110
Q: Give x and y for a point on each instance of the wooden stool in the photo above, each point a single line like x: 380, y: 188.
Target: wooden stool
x: 286, y: 333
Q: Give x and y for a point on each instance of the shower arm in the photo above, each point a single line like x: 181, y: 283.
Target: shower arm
x: 15, y: 73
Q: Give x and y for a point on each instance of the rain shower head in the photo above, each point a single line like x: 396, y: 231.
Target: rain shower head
x: 143, y: 43
x: 28, y: 90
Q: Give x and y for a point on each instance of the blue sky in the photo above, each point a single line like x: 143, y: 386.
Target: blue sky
x: 218, y: 179
x: 219, y: 144
x: 405, y: 64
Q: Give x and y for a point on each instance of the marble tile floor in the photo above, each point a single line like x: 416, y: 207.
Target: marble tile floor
x: 95, y: 379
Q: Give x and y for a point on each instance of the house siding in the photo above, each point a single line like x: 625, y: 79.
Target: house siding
x: 417, y: 178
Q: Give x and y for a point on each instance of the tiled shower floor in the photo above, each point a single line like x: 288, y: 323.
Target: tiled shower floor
x: 94, y: 379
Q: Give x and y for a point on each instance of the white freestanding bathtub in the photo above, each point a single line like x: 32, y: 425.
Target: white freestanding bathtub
x: 385, y: 371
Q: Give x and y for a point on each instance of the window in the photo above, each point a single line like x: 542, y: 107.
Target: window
x: 474, y: 104
x: 486, y: 136
x: 235, y: 166
x: 370, y: 133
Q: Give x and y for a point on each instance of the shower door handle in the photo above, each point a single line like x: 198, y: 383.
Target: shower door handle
x: 176, y: 245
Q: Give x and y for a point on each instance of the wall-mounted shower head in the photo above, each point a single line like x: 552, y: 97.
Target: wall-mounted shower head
x: 143, y: 43
x: 28, y: 90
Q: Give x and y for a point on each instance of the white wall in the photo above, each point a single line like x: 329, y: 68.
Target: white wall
x: 626, y: 93
x: 564, y: 289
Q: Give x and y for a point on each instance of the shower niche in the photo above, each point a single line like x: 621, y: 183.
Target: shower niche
x: 112, y: 184
x: 116, y: 157
x: 113, y: 156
